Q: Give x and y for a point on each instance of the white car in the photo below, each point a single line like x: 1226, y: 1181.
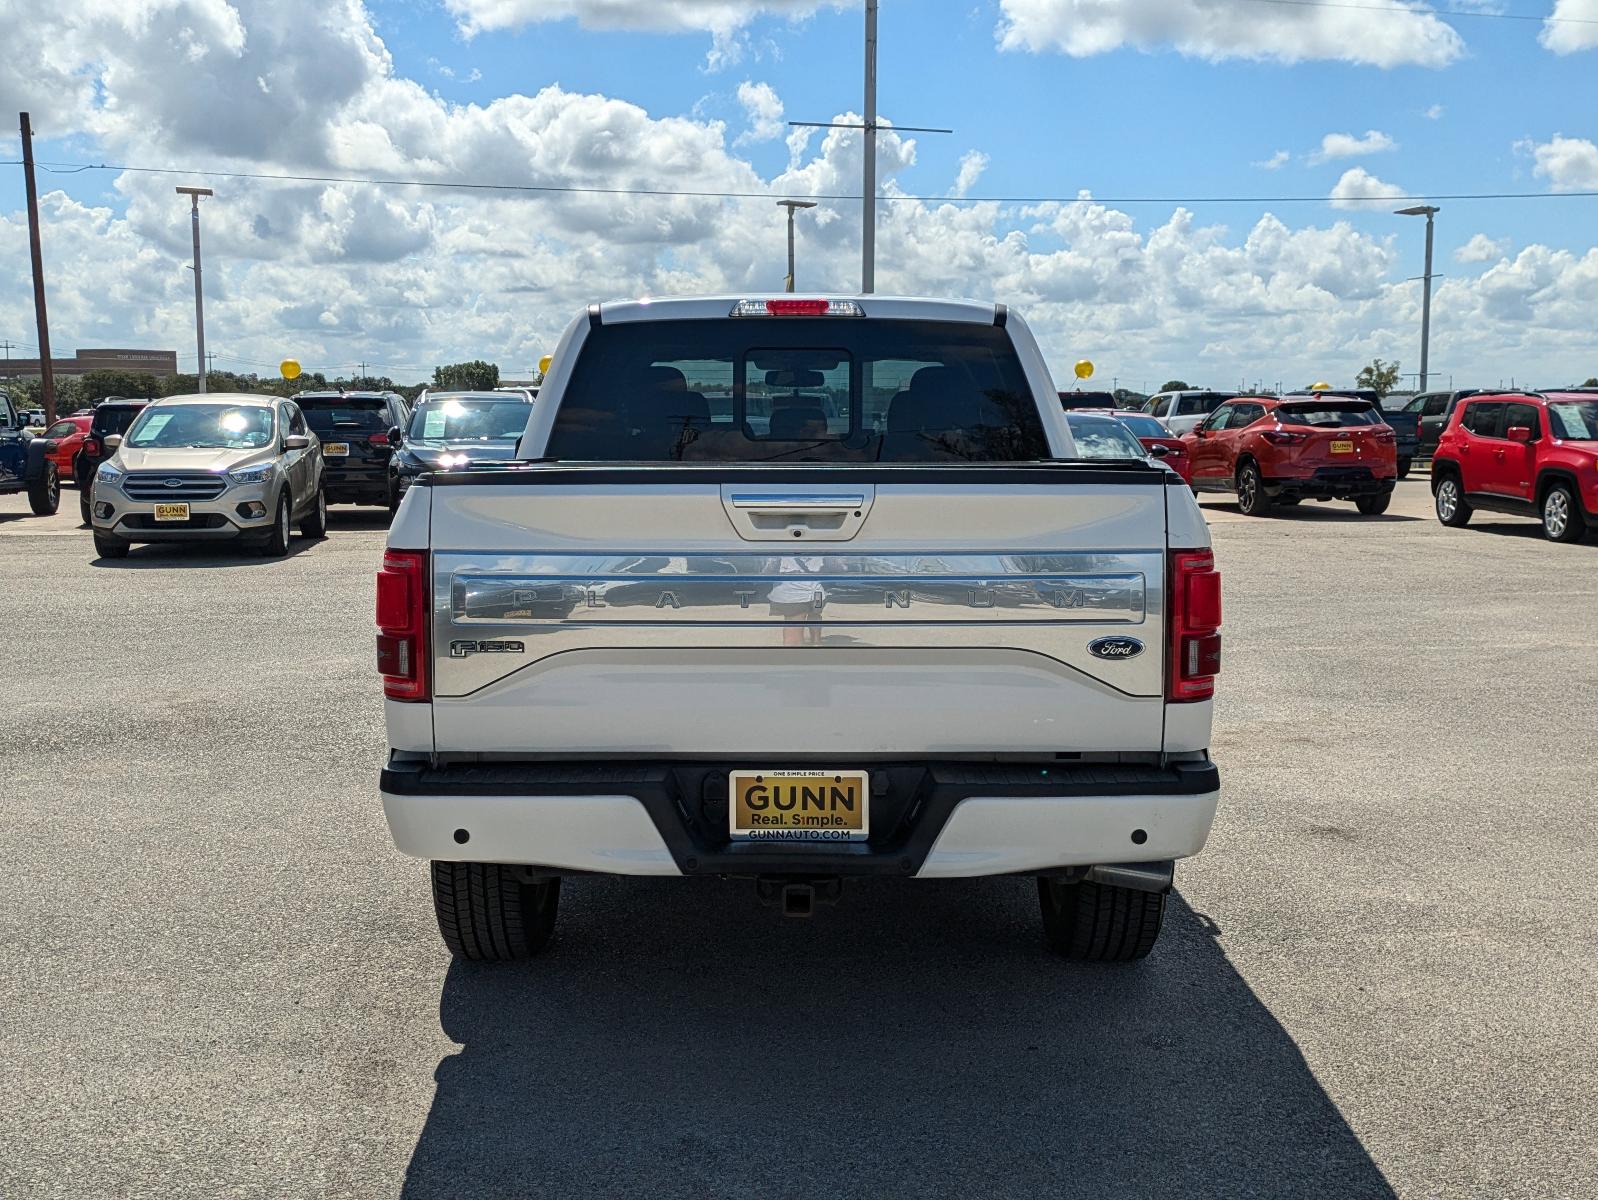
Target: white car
x: 909, y: 633
x: 1183, y: 412
x: 213, y: 467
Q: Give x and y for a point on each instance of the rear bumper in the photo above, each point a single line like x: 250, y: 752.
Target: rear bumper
x: 355, y: 485
x: 1332, y: 483
x: 931, y: 820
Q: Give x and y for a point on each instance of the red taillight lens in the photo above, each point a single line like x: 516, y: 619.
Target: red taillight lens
x: 1194, y: 616
x: 402, y: 615
x: 91, y: 447
x: 1284, y: 437
x: 1385, y: 437
x: 377, y: 439
x: 798, y: 308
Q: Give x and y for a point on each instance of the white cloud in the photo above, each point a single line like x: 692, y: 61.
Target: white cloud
x: 1572, y: 26
x: 972, y: 164
x: 1275, y: 162
x: 1480, y: 248
x: 1569, y: 164
x: 1346, y: 145
x: 1434, y: 113
x: 764, y: 110
x: 1382, y: 33
x: 720, y: 17
x: 1358, y: 188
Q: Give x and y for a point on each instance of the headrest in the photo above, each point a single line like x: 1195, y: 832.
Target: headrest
x: 797, y: 421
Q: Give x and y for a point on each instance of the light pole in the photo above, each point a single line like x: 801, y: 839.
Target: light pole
x: 790, y: 205
x: 1428, y: 211
x: 194, y: 195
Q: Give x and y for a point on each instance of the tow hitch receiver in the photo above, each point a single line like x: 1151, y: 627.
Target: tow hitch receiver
x: 797, y: 897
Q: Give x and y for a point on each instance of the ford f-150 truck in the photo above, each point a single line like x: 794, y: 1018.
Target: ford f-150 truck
x: 799, y: 589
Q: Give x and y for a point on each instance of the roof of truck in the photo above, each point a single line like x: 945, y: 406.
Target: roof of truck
x: 701, y: 308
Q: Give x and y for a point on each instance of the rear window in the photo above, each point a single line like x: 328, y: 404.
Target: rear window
x: 114, y: 419
x: 1143, y: 427
x: 1194, y: 406
x: 793, y: 389
x: 1087, y: 400
x: 1328, y: 416
x: 1574, y: 419
x: 338, y: 414
x: 1103, y: 437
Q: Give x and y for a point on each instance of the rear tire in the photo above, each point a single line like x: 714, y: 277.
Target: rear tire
x: 107, y: 548
x: 277, y: 542
x: 315, y: 524
x: 1452, y: 509
x: 44, y: 493
x: 487, y: 913
x: 84, y: 510
x: 1403, y: 467
x: 1251, y: 497
x: 1373, y: 506
x: 1096, y: 922
x: 1561, y: 515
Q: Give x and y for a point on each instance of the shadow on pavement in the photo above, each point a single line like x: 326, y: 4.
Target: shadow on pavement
x: 154, y: 556
x: 1318, y: 510
x: 917, y: 1040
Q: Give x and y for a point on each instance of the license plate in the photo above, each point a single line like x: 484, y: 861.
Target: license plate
x: 799, y: 806
x: 1342, y: 447
x: 335, y: 449
x: 171, y: 512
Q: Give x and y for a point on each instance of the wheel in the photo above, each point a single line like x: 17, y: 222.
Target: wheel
x: 277, y: 544
x: 1095, y: 922
x: 488, y: 913
x: 1452, y: 509
x: 84, y: 509
x: 44, y: 493
x: 1251, y: 497
x: 1403, y: 467
x: 1562, y: 519
x: 1373, y: 506
x: 315, y: 525
x: 105, y: 547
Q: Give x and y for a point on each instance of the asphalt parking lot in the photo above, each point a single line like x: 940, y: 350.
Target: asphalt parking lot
x: 218, y: 979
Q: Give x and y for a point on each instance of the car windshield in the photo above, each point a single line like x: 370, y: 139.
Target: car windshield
x: 1575, y: 419
x: 1328, y: 416
x: 1143, y: 427
x: 1103, y: 437
x: 798, y: 389
x: 344, y: 414
x: 211, y: 426
x: 467, y: 419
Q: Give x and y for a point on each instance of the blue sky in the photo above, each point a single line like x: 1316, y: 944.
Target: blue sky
x: 1161, y: 101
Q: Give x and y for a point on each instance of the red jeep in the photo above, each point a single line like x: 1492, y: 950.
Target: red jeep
x: 1526, y: 453
x: 1277, y: 451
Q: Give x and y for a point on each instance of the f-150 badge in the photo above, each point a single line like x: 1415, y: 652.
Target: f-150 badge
x: 462, y: 649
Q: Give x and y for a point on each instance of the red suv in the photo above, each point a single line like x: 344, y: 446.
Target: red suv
x: 1274, y: 451
x: 1530, y: 454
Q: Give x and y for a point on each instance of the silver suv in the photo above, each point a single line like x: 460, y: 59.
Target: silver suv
x: 210, y: 468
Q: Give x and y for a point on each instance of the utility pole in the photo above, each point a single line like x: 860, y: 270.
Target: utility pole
x: 46, y: 367
x: 790, y: 205
x: 1428, y: 211
x: 194, y: 195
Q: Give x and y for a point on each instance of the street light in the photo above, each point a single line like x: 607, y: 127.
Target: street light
x: 194, y: 195
x: 790, y: 205
x: 1428, y: 211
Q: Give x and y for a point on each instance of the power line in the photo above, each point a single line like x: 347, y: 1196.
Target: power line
x: 837, y: 197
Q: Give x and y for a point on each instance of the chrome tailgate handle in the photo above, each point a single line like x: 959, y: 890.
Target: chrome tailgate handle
x: 786, y: 514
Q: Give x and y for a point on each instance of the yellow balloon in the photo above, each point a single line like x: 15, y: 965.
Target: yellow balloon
x: 1084, y: 369
x: 290, y: 368
x: 543, y: 364
x: 1323, y: 386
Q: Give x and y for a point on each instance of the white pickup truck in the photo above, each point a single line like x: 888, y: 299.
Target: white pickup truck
x: 793, y: 590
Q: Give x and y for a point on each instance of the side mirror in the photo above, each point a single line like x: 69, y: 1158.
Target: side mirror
x: 1158, y: 451
x: 1520, y: 433
x: 394, y: 435
x: 111, y: 441
x: 296, y: 441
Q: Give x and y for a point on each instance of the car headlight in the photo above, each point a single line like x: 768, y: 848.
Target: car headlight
x: 256, y: 474
x: 107, y: 473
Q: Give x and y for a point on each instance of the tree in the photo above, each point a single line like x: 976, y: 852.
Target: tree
x: 474, y: 376
x: 1175, y: 385
x: 1379, y: 375
x: 1592, y: 381
x: 136, y: 385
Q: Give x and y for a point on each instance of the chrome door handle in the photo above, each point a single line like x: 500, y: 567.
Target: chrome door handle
x: 766, y: 502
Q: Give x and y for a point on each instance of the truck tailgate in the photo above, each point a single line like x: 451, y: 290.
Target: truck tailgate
x: 885, y: 612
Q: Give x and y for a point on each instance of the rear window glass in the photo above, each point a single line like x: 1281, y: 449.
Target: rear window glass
x: 1328, y: 416
x: 344, y: 413
x: 794, y: 389
x: 1087, y: 400
x: 1193, y: 406
x: 1144, y: 427
x: 115, y: 420
x: 1103, y: 437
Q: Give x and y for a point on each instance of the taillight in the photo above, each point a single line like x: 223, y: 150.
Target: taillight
x: 91, y: 447
x: 1385, y: 436
x: 797, y: 308
x: 1193, y: 613
x: 377, y: 439
x: 402, y: 614
x: 1285, y: 437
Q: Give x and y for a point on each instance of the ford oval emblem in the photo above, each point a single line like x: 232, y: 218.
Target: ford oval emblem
x: 1115, y: 647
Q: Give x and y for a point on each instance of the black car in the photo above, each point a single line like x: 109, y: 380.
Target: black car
x: 451, y: 430
x: 353, y: 428
x: 1432, y: 410
x: 1080, y: 399
x: 112, y: 416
